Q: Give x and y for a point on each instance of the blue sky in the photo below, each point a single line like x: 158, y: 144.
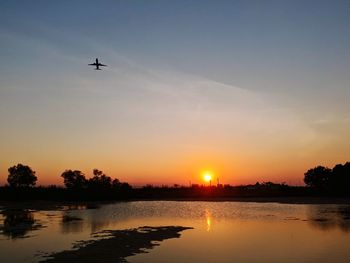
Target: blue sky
x: 286, y: 46
x: 175, y: 65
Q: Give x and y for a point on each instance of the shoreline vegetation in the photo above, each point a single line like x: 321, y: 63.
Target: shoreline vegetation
x: 323, y: 185
x: 47, y: 205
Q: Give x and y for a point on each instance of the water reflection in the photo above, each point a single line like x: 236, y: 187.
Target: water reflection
x: 17, y: 223
x: 79, y: 206
x: 228, y: 231
x: 208, y: 219
x: 74, y: 207
x: 330, y: 217
x: 71, y: 224
x: 85, y: 220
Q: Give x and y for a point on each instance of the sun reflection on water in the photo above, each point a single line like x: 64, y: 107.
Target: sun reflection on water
x: 208, y: 219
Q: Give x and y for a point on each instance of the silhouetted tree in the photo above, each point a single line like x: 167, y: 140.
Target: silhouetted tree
x: 74, y: 179
x: 340, y: 179
x: 335, y: 181
x: 116, y: 183
x: 318, y: 177
x: 100, y: 180
x: 21, y: 176
x: 124, y: 187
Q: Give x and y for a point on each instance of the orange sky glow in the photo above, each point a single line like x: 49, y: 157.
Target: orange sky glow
x: 255, y: 96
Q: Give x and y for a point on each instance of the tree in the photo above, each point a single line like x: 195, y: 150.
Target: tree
x: 125, y: 187
x: 117, y: 185
x: 100, y: 180
x: 21, y: 176
x: 74, y: 179
x: 340, y: 180
x: 318, y: 177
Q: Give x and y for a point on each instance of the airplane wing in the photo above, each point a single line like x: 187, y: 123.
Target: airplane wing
x: 93, y: 64
x: 102, y: 65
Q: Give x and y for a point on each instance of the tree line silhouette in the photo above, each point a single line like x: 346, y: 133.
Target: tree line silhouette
x: 331, y: 181
x: 23, y: 176
x: 22, y: 180
x: 319, y: 181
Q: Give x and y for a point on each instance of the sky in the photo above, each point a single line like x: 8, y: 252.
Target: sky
x: 249, y: 90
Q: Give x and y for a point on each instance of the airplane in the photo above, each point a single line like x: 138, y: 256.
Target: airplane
x: 97, y: 64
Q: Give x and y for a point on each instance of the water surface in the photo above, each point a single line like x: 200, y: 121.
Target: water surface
x: 223, y: 231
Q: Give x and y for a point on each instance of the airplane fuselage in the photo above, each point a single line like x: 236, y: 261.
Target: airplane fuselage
x: 97, y: 64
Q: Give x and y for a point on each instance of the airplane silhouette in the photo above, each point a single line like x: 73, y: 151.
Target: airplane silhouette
x: 97, y: 64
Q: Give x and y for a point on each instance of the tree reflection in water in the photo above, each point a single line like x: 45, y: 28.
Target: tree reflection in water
x: 17, y: 223
x: 330, y: 217
x: 71, y: 224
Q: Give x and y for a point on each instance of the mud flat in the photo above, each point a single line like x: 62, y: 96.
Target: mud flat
x: 115, y: 245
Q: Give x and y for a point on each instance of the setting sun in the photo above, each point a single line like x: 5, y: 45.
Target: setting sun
x: 207, y: 176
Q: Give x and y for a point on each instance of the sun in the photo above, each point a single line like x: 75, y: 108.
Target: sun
x: 207, y: 176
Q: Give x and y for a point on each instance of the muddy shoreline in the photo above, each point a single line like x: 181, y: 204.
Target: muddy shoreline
x: 116, y: 245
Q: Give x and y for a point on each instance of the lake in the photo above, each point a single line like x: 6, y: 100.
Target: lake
x: 222, y: 231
